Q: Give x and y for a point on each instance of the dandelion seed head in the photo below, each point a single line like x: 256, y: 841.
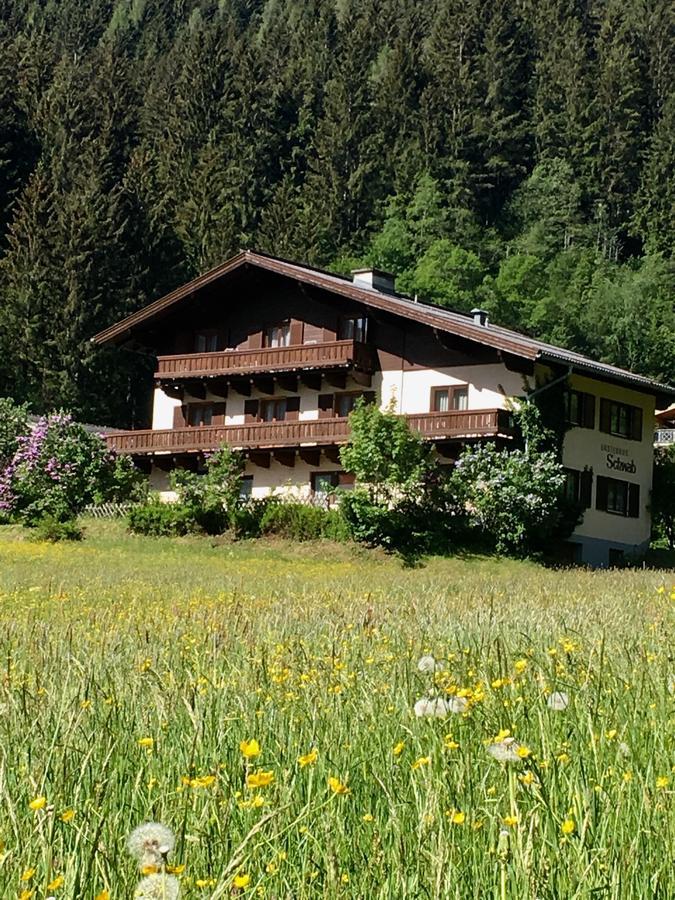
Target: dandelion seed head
x: 457, y: 704
x: 426, y: 664
x: 505, y: 750
x: 558, y: 701
x: 431, y: 706
x: 157, y: 887
x: 150, y: 843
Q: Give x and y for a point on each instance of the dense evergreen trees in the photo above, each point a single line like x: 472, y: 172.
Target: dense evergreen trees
x: 516, y: 154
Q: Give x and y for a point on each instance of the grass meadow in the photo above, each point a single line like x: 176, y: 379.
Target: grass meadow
x: 132, y: 669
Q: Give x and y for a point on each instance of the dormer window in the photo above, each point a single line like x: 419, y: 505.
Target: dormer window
x: 353, y: 328
x: 278, y: 335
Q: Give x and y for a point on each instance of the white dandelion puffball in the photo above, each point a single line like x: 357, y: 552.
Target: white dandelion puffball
x: 624, y: 749
x: 431, y: 706
x: 505, y: 751
x: 558, y: 701
x: 426, y: 664
x: 158, y: 887
x: 150, y: 843
x: 457, y: 704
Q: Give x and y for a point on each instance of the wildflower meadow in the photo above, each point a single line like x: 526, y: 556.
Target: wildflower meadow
x: 191, y: 718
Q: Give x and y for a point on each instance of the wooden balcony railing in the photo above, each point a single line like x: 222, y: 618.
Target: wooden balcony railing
x: 321, y: 432
x: 267, y: 360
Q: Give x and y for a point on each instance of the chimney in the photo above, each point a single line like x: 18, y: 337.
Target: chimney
x: 375, y: 279
x: 480, y: 317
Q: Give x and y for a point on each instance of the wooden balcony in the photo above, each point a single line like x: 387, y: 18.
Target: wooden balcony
x: 268, y: 360
x: 455, y: 425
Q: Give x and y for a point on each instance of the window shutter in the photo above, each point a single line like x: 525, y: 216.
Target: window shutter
x: 218, y: 414
x: 589, y: 411
x: 636, y: 423
x: 179, y: 416
x: 292, y: 409
x: 326, y: 406
x: 251, y: 410
x: 296, y: 331
x: 605, y: 416
x: 601, y: 493
x: 634, y: 501
x: 255, y: 340
x: 585, y: 488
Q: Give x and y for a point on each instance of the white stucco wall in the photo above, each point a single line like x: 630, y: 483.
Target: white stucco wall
x: 162, y: 409
x: 489, y: 386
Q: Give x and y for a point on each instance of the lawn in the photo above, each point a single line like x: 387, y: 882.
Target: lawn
x: 133, y: 669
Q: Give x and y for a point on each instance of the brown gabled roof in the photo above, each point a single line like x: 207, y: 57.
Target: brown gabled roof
x: 436, y: 317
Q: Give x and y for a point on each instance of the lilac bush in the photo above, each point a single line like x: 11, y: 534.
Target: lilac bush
x: 57, y: 469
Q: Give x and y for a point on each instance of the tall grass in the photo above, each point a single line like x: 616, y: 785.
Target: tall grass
x: 132, y: 670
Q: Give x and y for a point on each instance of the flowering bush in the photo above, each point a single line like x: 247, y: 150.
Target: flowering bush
x: 13, y: 423
x: 57, y: 469
x: 513, y: 497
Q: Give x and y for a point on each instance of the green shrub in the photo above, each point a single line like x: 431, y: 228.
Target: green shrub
x: 212, y: 496
x: 300, y: 522
x: 49, y: 528
x: 159, y: 519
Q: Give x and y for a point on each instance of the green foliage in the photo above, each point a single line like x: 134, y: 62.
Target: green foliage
x: 158, y: 519
x: 302, y: 522
x: 13, y: 424
x: 211, y: 497
x: 49, y: 528
x: 663, y: 495
x: 514, y: 497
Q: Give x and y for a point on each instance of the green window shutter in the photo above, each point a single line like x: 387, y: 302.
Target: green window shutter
x: 636, y: 423
x: 588, y: 415
x: 601, y: 493
x: 586, y: 488
x: 634, y: 501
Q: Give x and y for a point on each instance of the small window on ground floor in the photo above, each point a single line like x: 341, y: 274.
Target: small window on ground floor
x: 621, y: 498
x: 246, y: 487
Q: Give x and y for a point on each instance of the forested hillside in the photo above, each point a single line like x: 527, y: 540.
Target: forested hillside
x: 516, y: 154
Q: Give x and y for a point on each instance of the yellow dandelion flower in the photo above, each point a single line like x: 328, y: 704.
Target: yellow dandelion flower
x: 523, y: 751
x: 27, y: 874
x: 25, y: 895
x: 102, y: 895
x: 146, y: 742
x: 368, y: 817
x: 56, y: 883
x: 259, y: 779
x: 568, y: 826
x: 662, y: 782
x: 336, y: 786
x: 344, y: 878
x: 510, y: 821
x: 178, y: 869
x: 38, y: 803
x: 309, y: 758
x: 457, y: 817
x: 250, y: 749
x: 398, y: 749
x: 67, y: 815
x: 422, y: 761
x: 520, y: 665
x: 241, y: 881
x: 527, y: 778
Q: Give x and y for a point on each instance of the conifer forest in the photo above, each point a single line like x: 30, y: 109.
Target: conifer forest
x: 517, y: 155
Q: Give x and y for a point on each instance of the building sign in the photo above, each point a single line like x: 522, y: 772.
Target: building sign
x: 615, y: 462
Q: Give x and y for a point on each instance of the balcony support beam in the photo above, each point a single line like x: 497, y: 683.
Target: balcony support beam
x: 264, y: 385
x: 362, y: 378
x: 336, y: 379
x: 310, y: 455
x: 312, y: 380
x: 196, y: 389
x: 288, y: 383
x: 241, y: 386
x: 285, y: 457
x: 332, y: 454
x: 218, y: 387
x: 260, y: 458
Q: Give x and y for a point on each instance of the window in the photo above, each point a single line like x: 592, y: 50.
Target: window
x: 325, y: 482
x: 245, y: 487
x: 278, y: 335
x: 206, y: 341
x: 580, y: 409
x: 200, y: 414
x: 353, y: 328
x: 273, y: 410
x: 343, y: 404
x: 621, y: 498
x: 578, y: 486
x: 444, y: 399
x: 621, y: 420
